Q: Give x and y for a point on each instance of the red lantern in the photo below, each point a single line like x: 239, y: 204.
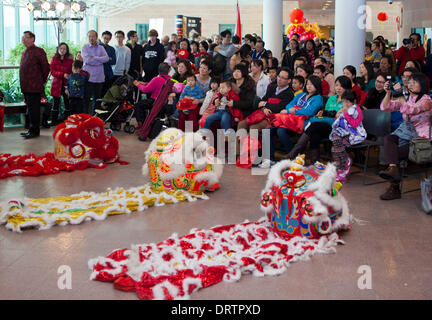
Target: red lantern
x: 382, y: 16
x: 296, y: 16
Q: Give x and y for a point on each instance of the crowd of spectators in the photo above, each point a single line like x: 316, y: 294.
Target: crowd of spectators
x: 234, y: 83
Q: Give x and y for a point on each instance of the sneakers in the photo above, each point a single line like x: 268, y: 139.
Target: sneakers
x: 342, y: 174
x: 267, y: 164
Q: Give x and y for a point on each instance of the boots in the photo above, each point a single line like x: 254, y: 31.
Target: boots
x: 299, y: 148
x: 391, y: 173
x: 314, y: 155
x: 45, y: 123
x: 392, y: 193
x: 54, y: 117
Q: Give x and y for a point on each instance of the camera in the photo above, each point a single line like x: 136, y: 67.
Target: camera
x: 390, y: 87
x: 390, y: 1
x: 407, y: 41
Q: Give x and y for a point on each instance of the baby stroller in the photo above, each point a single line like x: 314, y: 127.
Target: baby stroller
x: 117, y: 106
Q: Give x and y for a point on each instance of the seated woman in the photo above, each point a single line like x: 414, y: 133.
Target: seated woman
x: 320, y: 126
x: 272, y: 62
x: 184, y: 68
x: 375, y: 95
x: 416, y: 114
x: 244, y: 86
x: 305, y: 104
x: 386, y: 67
x: 351, y: 72
x: 368, y: 74
x: 244, y: 53
x: 261, y: 79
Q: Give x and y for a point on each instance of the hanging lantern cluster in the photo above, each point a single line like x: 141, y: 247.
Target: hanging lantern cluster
x: 302, y: 26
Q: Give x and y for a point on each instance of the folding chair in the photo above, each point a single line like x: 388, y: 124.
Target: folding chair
x: 378, y: 124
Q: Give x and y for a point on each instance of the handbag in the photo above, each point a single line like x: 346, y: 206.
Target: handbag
x: 255, y: 117
x: 420, y: 149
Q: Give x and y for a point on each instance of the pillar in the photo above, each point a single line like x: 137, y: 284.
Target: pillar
x: 272, y: 26
x: 350, y: 34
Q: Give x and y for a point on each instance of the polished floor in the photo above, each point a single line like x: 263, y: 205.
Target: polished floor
x: 395, y: 241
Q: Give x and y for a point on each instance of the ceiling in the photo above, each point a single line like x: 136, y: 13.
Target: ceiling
x: 113, y: 7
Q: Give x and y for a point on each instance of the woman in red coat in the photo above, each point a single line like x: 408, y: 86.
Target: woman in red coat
x: 61, y: 68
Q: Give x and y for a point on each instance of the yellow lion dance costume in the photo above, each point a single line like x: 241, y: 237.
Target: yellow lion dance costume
x: 180, y: 166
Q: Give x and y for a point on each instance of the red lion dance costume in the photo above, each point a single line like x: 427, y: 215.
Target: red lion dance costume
x: 80, y: 142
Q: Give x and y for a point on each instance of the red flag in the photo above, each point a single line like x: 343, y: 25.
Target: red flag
x: 238, y: 27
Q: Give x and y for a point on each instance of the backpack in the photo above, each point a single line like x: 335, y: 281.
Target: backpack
x: 219, y: 64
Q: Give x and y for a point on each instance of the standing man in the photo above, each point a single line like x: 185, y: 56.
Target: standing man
x: 411, y: 50
x: 106, y: 38
x: 174, y: 37
x: 94, y: 57
x: 259, y: 52
x: 136, y: 67
x: 153, y: 55
x: 227, y: 50
x: 123, y: 54
x: 34, y: 71
x: 165, y: 40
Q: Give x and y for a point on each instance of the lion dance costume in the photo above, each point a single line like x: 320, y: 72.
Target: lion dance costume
x: 304, y: 210
x: 80, y: 142
x: 181, y: 167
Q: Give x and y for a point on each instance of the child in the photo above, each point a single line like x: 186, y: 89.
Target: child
x: 171, y: 54
x: 298, y: 84
x: 319, y: 71
x: 76, y: 84
x: 195, y: 94
x: 347, y: 130
x: 224, y: 113
x: 208, y: 107
x: 272, y: 73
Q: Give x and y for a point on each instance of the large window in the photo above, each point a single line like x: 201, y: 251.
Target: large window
x: 9, y: 36
x: 142, y: 31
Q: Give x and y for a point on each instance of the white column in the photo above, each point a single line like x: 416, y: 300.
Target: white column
x: 272, y: 26
x: 350, y: 34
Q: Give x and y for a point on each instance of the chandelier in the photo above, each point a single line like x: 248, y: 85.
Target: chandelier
x: 58, y: 7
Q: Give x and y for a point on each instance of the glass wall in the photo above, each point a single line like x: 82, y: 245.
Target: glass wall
x: 14, y: 21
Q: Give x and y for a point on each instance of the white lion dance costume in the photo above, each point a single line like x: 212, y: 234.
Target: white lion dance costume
x: 304, y: 211
x: 181, y: 168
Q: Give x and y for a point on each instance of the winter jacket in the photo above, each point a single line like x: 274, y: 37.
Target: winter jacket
x: 247, y: 95
x: 154, y: 86
x: 34, y: 70
x: 307, y: 108
x: 58, y: 69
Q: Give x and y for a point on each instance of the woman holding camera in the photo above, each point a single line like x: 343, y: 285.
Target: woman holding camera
x: 416, y: 113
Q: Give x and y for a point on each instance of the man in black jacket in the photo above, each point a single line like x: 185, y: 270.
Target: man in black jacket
x: 153, y: 55
x: 278, y: 95
x: 135, y: 69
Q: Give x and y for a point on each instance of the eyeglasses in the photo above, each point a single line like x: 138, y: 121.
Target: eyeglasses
x: 286, y: 79
x: 381, y: 82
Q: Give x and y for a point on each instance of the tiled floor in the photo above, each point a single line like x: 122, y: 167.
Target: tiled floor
x: 396, y: 241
